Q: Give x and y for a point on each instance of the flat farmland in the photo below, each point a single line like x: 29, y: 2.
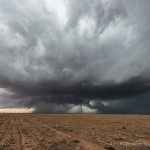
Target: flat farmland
x: 74, y: 132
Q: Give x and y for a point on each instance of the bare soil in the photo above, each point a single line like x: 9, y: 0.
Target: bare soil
x: 74, y: 132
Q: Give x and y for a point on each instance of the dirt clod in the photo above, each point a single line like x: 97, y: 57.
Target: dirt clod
x: 109, y: 147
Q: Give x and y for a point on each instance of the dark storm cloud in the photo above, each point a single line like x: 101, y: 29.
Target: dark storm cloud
x: 41, y: 94
x: 91, y: 53
x: 103, y: 13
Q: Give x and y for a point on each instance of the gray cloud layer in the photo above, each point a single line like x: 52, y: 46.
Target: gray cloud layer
x: 96, y: 56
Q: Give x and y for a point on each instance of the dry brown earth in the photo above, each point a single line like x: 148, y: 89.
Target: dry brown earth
x: 74, y: 132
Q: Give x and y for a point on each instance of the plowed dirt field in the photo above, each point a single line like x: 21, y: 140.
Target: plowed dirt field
x: 74, y: 132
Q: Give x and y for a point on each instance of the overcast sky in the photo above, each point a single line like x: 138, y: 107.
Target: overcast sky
x: 75, y: 56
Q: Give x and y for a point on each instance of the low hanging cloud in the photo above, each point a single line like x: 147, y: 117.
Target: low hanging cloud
x: 73, y: 57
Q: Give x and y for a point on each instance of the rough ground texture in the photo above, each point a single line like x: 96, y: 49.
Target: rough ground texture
x: 74, y: 132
